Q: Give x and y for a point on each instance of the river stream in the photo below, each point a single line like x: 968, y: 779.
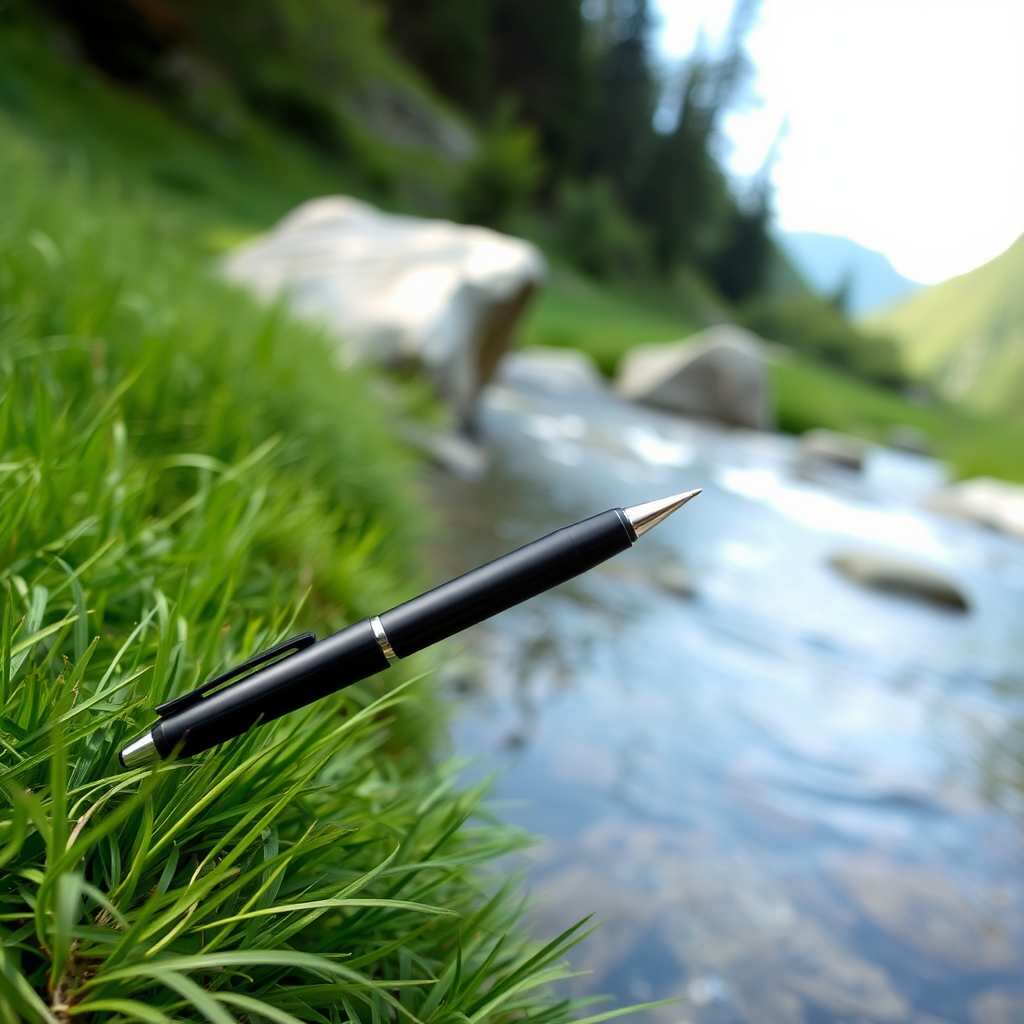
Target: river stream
x: 788, y: 798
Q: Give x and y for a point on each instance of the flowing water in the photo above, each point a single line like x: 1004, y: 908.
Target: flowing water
x: 788, y: 798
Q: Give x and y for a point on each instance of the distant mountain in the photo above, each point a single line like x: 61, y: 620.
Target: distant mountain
x: 967, y: 334
x: 830, y: 262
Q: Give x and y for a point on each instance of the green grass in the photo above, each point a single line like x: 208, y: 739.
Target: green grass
x: 231, y: 182
x: 600, y: 319
x: 809, y: 395
x: 967, y: 334
x: 184, y: 479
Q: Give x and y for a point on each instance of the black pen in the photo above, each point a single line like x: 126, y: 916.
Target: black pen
x: 302, y: 670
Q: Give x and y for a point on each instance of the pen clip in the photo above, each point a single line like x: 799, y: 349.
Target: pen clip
x: 285, y: 649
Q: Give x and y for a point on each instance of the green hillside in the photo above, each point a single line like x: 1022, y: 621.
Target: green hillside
x: 967, y: 334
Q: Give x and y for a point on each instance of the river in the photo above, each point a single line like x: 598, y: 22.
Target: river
x: 788, y: 798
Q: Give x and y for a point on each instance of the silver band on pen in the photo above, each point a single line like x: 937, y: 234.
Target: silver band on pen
x: 382, y: 639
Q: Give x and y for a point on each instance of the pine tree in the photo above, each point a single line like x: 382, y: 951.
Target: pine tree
x: 540, y: 62
x: 622, y: 137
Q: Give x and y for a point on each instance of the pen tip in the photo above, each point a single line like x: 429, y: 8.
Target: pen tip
x: 650, y: 513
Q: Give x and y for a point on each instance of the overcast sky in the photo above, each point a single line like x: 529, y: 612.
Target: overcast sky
x: 905, y: 120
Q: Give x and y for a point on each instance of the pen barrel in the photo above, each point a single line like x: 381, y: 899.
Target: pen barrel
x: 355, y: 653
x: 506, y: 581
x: 333, y: 663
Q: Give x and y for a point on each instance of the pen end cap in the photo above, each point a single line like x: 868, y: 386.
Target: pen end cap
x: 139, y: 752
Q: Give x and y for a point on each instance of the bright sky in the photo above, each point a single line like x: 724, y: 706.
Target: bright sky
x: 905, y: 120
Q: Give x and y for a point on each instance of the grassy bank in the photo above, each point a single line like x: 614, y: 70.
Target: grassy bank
x: 226, y: 182
x: 180, y: 471
x: 184, y: 479
x: 810, y: 395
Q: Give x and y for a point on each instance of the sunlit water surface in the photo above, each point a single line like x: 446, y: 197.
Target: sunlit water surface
x: 788, y: 798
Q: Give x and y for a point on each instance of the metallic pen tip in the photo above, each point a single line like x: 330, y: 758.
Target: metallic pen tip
x: 650, y: 513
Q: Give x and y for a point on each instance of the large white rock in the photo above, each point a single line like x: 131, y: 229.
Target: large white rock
x: 718, y: 374
x: 398, y: 289
x: 984, y: 500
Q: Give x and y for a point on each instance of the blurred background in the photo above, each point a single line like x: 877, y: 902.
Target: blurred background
x: 779, y: 747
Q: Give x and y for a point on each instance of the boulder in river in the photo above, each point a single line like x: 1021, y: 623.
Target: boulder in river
x: 895, y: 575
x: 719, y: 374
x: 397, y: 289
x: 819, y: 445
x: 993, y: 503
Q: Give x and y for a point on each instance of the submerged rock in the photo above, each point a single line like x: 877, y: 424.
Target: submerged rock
x: 898, y: 576
x: 719, y: 374
x: 674, y: 579
x: 460, y: 455
x: 908, y: 438
x: 983, y: 500
x: 828, y: 446
x: 926, y: 910
x: 396, y: 289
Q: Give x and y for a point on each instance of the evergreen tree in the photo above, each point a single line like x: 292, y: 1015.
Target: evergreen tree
x: 739, y: 267
x: 686, y: 201
x: 450, y: 42
x: 539, y: 60
x: 684, y: 194
x: 621, y: 133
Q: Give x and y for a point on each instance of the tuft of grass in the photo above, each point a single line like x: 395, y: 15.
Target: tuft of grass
x: 183, y: 475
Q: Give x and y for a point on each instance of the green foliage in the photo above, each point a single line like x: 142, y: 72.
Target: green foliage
x: 289, y: 94
x: 299, y: 65
x: 680, y: 191
x: 450, y: 42
x: 178, y: 468
x: 584, y: 90
x: 539, y: 62
x: 817, y: 328
x: 685, y: 198
x: 583, y: 76
x: 742, y: 265
x: 247, y: 179
x: 329, y: 46
x: 621, y: 141
x: 504, y: 171
x: 598, y: 236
